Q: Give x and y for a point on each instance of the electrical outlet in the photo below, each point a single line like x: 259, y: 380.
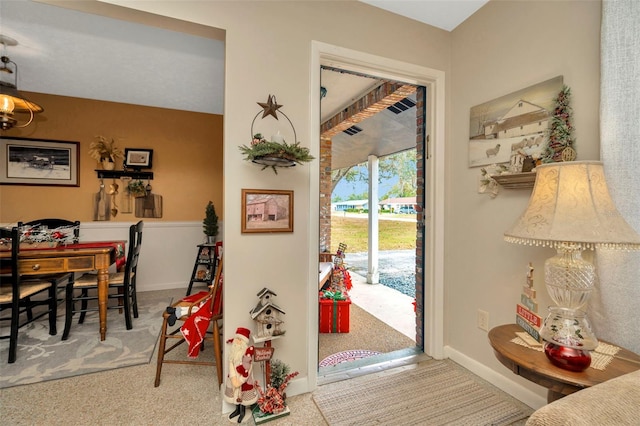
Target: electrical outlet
x: 483, y: 320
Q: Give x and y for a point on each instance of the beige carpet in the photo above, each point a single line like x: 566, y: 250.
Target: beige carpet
x: 431, y: 393
x: 366, y: 332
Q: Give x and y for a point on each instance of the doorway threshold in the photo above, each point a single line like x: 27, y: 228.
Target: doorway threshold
x: 373, y: 364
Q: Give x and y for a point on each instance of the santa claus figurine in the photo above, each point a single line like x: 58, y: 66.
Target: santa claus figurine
x: 240, y: 388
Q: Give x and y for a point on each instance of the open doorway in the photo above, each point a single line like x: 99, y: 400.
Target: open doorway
x: 373, y: 119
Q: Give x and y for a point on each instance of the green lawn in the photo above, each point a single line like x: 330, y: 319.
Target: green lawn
x: 394, y: 235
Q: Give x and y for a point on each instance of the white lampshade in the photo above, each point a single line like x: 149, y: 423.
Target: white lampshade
x: 571, y: 210
x: 571, y: 203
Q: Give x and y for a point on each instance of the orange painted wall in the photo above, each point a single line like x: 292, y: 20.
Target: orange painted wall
x: 187, y: 158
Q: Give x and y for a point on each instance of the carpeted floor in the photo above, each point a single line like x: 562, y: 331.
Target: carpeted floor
x: 41, y: 357
x: 125, y: 396
x: 366, y: 332
x: 432, y: 392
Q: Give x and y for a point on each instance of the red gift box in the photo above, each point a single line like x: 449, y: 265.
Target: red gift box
x: 334, y: 315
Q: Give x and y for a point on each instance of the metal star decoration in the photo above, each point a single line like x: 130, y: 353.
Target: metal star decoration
x: 271, y: 107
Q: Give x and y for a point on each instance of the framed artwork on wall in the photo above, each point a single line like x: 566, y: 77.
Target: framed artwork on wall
x: 265, y: 210
x: 135, y: 158
x: 516, y: 122
x: 39, y: 162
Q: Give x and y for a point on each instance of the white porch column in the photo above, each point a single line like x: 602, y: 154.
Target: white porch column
x: 373, y: 274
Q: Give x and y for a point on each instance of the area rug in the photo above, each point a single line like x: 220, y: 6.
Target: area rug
x: 366, y: 332
x: 346, y: 356
x: 431, y: 393
x: 41, y: 357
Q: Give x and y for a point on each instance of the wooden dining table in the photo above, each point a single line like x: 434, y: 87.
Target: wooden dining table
x: 78, y: 257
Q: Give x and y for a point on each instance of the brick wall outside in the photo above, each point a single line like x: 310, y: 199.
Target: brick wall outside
x: 325, y: 195
x: 420, y: 183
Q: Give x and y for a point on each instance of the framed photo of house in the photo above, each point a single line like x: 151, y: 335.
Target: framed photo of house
x: 39, y: 162
x: 265, y: 210
x: 135, y: 158
x: 514, y: 123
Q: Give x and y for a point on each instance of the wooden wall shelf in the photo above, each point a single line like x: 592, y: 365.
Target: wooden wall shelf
x: 516, y: 180
x: 117, y: 174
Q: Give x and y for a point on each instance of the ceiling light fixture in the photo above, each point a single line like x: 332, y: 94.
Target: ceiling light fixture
x: 13, y: 102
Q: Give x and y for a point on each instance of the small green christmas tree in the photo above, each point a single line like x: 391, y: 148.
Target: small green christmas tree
x: 560, y: 130
x: 210, y: 222
x: 279, y: 372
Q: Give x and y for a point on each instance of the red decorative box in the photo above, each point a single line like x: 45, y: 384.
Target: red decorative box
x: 334, y: 315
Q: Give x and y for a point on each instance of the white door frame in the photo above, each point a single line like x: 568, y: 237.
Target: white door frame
x: 434, y: 81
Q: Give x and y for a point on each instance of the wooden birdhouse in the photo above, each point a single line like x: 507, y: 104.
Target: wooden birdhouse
x: 265, y: 295
x: 267, y: 316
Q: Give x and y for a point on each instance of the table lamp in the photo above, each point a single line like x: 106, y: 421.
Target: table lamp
x: 570, y: 209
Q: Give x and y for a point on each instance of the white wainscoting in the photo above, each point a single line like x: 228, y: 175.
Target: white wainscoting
x: 168, y: 249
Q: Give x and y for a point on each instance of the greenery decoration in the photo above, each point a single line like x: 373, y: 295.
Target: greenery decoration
x: 561, y: 140
x: 279, y: 372
x: 210, y: 222
x: 103, y: 149
x: 261, y: 148
x: 274, y: 153
x: 272, y: 399
x: 137, y: 188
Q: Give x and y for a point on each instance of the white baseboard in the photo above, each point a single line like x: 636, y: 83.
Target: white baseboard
x: 505, y: 384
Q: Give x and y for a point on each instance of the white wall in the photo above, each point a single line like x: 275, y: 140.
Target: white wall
x: 504, y: 47
x: 168, y: 250
x: 268, y: 49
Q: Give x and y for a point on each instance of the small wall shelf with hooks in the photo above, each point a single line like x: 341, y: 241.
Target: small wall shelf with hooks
x: 118, y: 174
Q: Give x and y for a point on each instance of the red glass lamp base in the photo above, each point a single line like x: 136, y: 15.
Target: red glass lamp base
x: 567, y: 358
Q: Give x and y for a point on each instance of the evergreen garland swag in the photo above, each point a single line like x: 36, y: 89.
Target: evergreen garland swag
x: 261, y: 148
x: 279, y: 373
x: 560, y: 130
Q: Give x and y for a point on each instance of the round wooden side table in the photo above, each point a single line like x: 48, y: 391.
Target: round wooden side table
x: 534, y: 366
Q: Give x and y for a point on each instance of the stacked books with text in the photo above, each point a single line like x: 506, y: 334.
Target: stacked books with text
x: 526, y: 316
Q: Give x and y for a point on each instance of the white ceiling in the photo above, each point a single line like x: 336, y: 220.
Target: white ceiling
x: 383, y: 134
x: 70, y: 53
x: 444, y: 14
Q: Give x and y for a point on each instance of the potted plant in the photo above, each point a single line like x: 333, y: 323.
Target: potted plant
x: 105, y: 151
x: 137, y: 188
x: 210, y: 223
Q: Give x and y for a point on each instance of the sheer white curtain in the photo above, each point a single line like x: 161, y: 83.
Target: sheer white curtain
x: 615, y: 307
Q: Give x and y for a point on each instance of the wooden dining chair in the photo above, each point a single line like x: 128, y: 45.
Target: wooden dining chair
x: 53, y: 223
x: 19, y: 292
x: 123, y: 281
x: 172, y: 324
x: 70, y: 227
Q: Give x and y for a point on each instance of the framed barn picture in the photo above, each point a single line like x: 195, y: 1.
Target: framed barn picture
x: 514, y: 123
x: 39, y: 162
x: 265, y: 210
